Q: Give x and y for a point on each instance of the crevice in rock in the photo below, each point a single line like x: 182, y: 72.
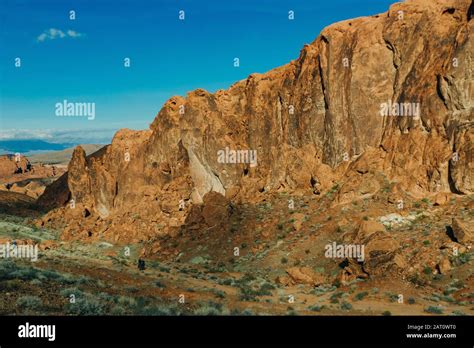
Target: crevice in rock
x: 450, y: 233
x: 439, y: 91
x: 449, y: 10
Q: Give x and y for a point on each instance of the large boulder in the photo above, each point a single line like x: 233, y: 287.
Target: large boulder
x: 463, y: 232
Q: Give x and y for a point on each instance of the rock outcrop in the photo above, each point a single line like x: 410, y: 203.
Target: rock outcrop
x: 384, y: 96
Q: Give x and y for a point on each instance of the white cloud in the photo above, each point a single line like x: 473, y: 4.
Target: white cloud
x: 73, y: 33
x: 53, y: 33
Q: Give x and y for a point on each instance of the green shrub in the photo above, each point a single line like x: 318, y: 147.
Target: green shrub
x: 159, y: 310
x: 117, y: 310
x: 434, y: 310
x: 71, y: 291
x: 336, y: 296
x: 29, y: 302
x: 85, y: 305
x: 360, y: 296
x: 346, y: 306
x: 316, y: 308
x: 218, y: 293
x: 7, y: 267
x: 209, y: 308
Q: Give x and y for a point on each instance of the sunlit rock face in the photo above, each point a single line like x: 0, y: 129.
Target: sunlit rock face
x: 390, y: 94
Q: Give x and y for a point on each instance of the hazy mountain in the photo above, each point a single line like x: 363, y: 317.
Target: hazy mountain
x: 63, y: 156
x: 30, y: 145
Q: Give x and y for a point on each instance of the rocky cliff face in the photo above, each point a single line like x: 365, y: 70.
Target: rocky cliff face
x: 384, y: 96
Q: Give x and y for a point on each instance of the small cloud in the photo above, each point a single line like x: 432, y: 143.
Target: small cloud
x: 73, y: 33
x: 53, y: 33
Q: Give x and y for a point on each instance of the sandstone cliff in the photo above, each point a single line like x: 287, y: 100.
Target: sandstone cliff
x: 313, y: 123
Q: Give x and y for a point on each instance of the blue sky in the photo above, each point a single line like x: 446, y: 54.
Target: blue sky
x: 82, y: 60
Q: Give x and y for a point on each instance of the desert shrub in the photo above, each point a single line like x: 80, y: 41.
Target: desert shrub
x: 245, y: 312
x: 316, y: 308
x: 323, y: 289
x: 447, y: 299
x: 71, y: 291
x: 84, y: 280
x: 416, y: 280
x: 346, y: 306
x: 126, y: 301
x: 227, y: 282
x: 336, y: 296
x: 50, y: 274
x: 209, y: 308
x: 360, y: 296
x: 36, y: 282
x: 7, y: 267
x: 158, y: 310
x: 266, y: 287
x: 393, y: 297
x: 427, y: 270
x: 85, y: 305
x: 218, y: 293
x: 29, y: 302
x: 449, y: 290
x: 248, y: 293
x: 27, y: 273
x: 117, y: 310
x: 460, y: 259
x: 387, y: 313
x: 411, y: 300
x: 434, y: 310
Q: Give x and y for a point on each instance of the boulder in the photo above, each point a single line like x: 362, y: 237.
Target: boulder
x: 463, y: 232
x: 304, y: 275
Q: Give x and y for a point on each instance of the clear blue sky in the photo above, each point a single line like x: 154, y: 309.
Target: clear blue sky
x: 82, y: 60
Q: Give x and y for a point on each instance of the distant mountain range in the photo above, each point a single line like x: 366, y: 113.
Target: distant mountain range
x: 30, y: 146
x: 63, y: 156
x: 43, y: 151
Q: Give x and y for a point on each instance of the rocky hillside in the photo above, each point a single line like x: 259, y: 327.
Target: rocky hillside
x: 18, y: 174
x: 374, y: 99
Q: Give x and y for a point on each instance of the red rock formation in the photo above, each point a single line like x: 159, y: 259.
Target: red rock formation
x: 313, y: 122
